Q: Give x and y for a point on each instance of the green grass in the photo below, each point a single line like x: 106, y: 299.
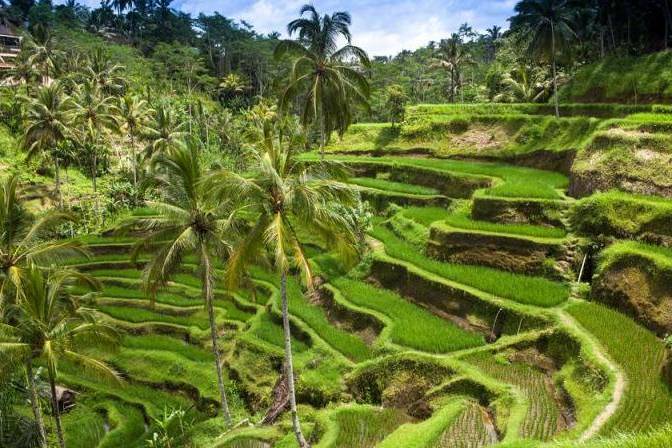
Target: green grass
x: 140, y: 315
x: 314, y: 316
x: 527, y: 189
x: 387, y: 185
x: 622, y: 215
x: 546, y: 181
x: 425, y: 434
x: 660, y: 256
x: 519, y: 288
x: 127, y: 426
x: 169, y: 344
x: 542, y: 419
x: 460, y: 219
x: 270, y: 331
x: 412, y: 326
x: 83, y: 426
x: 361, y: 426
x: 647, y: 400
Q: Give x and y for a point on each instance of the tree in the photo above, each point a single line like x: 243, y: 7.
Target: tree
x: 48, y: 121
x: 164, y: 131
x: 94, y: 114
x: 395, y: 103
x: 288, y: 198
x: 550, y: 23
x: 134, y: 114
x: 493, y: 35
x: 327, y: 80
x: 51, y: 326
x: 190, y: 221
x: 24, y: 241
x: 452, y: 56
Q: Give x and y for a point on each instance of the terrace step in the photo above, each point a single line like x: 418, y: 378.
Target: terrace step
x: 509, y: 252
x: 545, y: 212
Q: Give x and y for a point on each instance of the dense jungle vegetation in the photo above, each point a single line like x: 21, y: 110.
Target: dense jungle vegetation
x: 214, y: 237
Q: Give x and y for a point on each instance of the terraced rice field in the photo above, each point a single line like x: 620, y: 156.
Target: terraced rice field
x: 166, y: 359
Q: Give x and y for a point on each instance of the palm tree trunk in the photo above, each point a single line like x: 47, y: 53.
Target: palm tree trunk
x: 57, y: 174
x: 555, y: 75
x: 323, y: 139
x: 208, y: 296
x: 54, y: 408
x: 135, y: 162
x: 289, y: 364
x: 35, y: 404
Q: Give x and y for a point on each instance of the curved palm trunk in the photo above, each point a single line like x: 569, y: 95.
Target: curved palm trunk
x: 55, y: 410
x: 35, y: 404
x: 208, y: 297
x: 555, y: 76
x: 289, y: 364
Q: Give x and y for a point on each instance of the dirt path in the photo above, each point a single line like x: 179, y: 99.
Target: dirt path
x: 619, y: 386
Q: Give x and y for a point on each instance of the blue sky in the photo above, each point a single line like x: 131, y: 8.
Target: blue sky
x: 382, y: 27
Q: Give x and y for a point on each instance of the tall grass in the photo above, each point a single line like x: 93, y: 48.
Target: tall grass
x: 388, y: 185
x: 412, y: 326
x: 460, y: 218
x: 546, y: 181
x: 314, y: 316
x: 524, y: 289
x: 647, y: 400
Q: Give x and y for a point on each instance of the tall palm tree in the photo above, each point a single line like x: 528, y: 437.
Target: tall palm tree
x: 325, y: 79
x: 42, y: 52
x: 48, y: 121
x: 550, y: 23
x: 164, y: 132
x: 50, y: 326
x: 493, y: 35
x: 25, y: 240
x: 105, y: 73
x: 522, y: 85
x: 287, y: 197
x: 190, y: 221
x: 94, y: 114
x: 451, y: 55
x: 134, y: 114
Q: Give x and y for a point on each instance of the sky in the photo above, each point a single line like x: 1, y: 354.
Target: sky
x: 381, y: 27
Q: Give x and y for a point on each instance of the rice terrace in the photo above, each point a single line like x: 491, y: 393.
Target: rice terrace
x: 247, y: 229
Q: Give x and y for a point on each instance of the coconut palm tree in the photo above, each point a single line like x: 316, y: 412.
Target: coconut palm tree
x: 50, y: 326
x: 325, y: 79
x: 94, y: 113
x: 164, y: 132
x: 451, y: 55
x: 287, y: 198
x: 105, y: 73
x: 25, y: 240
x: 550, y: 23
x: 522, y: 86
x: 134, y: 114
x: 48, y: 120
x: 42, y: 52
x: 190, y: 221
x: 493, y: 35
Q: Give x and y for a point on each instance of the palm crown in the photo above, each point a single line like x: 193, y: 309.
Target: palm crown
x: 325, y: 78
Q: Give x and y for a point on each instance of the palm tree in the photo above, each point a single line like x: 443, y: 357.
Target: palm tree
x: 106, y: 74
x: 190, y: 220
x: 493, y: 35
x: 550, y: 23
x: 287, y: 198
x: 48, y: 121
x: 50, y: 326
x: 134, y: 114
x: 164, y: 132
x: 24, y: 240
x: 326, y: 79
x: 42, y: 52
x: 521, y: 86
x: 94, y: 113
x: 452, y: 55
